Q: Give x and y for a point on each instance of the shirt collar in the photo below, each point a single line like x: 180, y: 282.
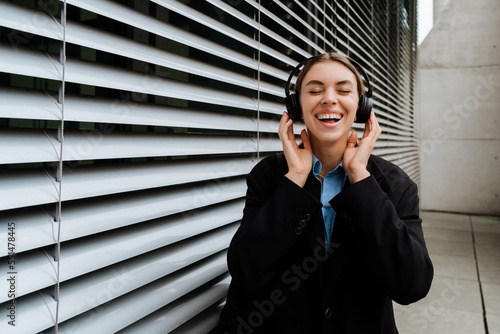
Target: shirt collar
x: 317, y: 167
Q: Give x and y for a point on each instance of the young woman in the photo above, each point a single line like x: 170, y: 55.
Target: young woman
x: 330, y: 234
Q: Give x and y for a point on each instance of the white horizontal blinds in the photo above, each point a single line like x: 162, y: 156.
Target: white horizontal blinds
x: 380, y: 36
x: 168, y: 106
x: 160, y: 130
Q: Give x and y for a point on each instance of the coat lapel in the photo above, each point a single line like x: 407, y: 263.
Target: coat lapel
x: 341, y: 248
x: 316, y: 235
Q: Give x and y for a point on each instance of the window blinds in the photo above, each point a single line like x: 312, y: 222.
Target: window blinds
x: 127, y: 129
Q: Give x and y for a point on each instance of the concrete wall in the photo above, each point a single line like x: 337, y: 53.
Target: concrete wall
x: 438, y: 5
x: 459, y: 108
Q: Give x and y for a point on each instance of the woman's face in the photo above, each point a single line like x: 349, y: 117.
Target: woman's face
x: 329, y: 101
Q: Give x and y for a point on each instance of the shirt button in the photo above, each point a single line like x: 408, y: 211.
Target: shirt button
x: 298, y: 230
x: 328, y: 313
x: 303, y: 223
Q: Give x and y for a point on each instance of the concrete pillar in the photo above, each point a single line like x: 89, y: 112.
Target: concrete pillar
x: 459, y: 109
x: 438, y: 5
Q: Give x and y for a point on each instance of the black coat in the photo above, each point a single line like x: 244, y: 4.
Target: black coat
x: 283, y: 280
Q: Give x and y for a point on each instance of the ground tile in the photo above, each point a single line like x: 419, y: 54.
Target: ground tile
x: 486, y: 224
x: 448, y: 235
x: 443, y: 247
x: 488, y: 251
x: 437, y: 319
x: 454, y: 293
x: 491, y: 295
x: 454, y: 266
x: 489, y: 269
x: 493, y: 323
x: 487, y: 238
x: 445, y: 220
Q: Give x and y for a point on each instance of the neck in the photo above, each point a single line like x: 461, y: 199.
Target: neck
x: 329, y: 154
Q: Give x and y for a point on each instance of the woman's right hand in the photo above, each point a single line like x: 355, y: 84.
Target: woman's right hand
x: 299, y: 160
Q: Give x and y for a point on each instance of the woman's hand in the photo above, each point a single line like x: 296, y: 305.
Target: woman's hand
x: 356, y: 158
x: 299, y: 160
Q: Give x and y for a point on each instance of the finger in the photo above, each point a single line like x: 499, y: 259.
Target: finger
x: 285, y: 131
x: 376, y: 129
x: 305, y: 140
x: 283, y: 121
x: 376, y: 125
x: 287, y: 137
x: 351, y: 141
x: 368, y: 127
x: 289, y: 130
x: 372, y: 128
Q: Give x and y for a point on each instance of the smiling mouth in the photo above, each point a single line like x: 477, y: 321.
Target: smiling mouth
x: 329, y: 117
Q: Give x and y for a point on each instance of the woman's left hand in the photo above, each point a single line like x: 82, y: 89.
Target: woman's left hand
x: 356, y: 158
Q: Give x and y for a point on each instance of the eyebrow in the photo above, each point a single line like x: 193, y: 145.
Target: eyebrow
x: 315, y: 82
x: 340, y: 83
x: 344, y: 82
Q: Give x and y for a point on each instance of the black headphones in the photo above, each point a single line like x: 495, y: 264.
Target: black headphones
x: 365, y: 102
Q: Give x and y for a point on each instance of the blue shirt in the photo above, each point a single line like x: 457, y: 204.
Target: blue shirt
x: 332, y: 184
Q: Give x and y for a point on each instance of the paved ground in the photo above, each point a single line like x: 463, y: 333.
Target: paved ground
x: 465, y: 293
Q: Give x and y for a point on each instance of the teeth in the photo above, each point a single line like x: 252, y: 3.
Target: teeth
x: 329, y: 116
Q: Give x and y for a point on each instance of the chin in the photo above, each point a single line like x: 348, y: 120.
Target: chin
x: 332, y: 138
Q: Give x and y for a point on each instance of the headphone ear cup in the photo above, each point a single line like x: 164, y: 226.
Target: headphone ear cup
x: 364, y: 109
x: 293, y: 107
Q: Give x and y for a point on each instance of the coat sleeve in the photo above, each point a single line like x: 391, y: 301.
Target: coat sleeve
x: 273, y: 221
x: 388, y: 235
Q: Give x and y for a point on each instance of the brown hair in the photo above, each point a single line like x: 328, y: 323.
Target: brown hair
x: 330, y: 56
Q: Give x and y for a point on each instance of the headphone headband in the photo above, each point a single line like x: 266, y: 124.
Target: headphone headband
x: 294, y: 71
x: 365, y: 75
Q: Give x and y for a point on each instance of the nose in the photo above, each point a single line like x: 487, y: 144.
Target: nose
x: 329, y: 97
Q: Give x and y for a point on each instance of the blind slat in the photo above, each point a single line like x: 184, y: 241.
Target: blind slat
x: 224, y: 29
x: 263, y: 29
x: 37, y: 146
x: 151, y: 298
x: 181, y: 311
x: 288, y: 27
x: 96, y: 252
x: 135, y: 19
x: 120, y: 280
x: 24, y: 62
x: 202, y: 323
x: 35, y: 229
x: 24, y: 104
x: 39, y: 186
x: 97, y: 215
